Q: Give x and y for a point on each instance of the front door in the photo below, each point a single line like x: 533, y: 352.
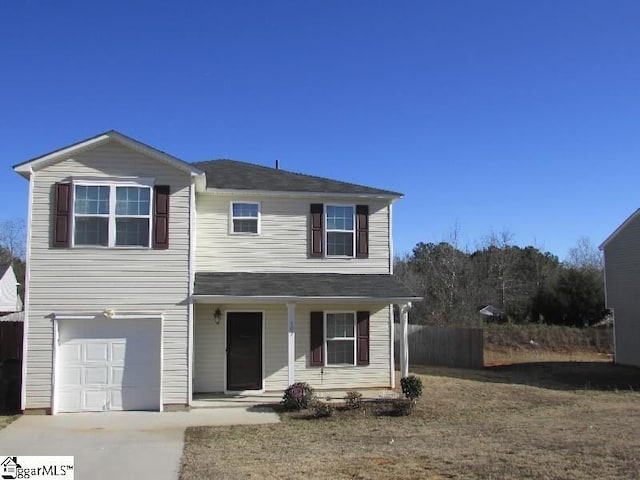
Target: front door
x: 244, y: 351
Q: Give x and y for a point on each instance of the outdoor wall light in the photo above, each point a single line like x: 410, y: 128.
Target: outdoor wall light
x: 217, y: 315
x: 109, y: 313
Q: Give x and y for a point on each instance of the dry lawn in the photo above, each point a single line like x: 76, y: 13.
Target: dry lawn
x: 546, y: 421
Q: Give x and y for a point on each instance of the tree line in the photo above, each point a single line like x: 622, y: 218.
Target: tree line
x: 515, y: 284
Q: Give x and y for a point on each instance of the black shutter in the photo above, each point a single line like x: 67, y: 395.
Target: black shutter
x: 161, y: 217
x: 317, y: 339
x: 362, y: 231
x: 363, y: 338
x: 317, y: 233
x: 62, y: 215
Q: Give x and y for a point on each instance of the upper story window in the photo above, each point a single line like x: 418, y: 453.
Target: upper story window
x: 111, y: 215
x: 245, y: 217
x: 340, y: 230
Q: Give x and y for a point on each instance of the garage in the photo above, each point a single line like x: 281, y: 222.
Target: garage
x: 106, y: 364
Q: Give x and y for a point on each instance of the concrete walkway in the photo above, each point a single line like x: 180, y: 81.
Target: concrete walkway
x: 122, y: 445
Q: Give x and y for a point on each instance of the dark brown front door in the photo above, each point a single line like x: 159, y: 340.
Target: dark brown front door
x: 244, y: 351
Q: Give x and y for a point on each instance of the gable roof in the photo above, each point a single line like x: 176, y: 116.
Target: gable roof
x: 619, y: 229
x: 236, y: 175
x: 230, y: 175
x: 25, y: 168
x: 310, y: 286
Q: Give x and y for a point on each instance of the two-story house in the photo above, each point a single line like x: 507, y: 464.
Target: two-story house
x: 150, y: 279
x: 622, y: 288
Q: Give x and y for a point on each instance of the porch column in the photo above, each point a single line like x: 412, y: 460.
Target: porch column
x: 404, y: 339
x: 291, y: 349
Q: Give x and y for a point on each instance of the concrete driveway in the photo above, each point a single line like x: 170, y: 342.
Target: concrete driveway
x: 119, y: 445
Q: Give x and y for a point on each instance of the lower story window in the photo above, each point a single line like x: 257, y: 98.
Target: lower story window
x: 340, y: 338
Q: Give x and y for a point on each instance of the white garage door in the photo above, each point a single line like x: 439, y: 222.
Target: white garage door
x: 108, y: 365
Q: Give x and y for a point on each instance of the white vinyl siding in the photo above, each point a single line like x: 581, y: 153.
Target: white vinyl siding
x: 283, y: 243
x: 622, y: 282
x: 90, y: 280
x: 210, y: 344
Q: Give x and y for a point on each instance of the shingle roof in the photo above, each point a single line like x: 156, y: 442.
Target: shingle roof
x: 241, y: 284
x: 232, y: 174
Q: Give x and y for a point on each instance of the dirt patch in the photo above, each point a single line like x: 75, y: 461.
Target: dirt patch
x: 530, y: 354
x: 468, y: 424
x: 552, y: 338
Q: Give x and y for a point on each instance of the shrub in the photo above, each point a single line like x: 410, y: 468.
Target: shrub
x: 323, y: 410
x: 411, y: 387
x: 353, y: 400
x: 298, y: 396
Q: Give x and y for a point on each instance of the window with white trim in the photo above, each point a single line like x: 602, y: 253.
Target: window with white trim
x: 111, y: 215
x: 340, y: 230
x: 340, y: 338
x: 245, y: 217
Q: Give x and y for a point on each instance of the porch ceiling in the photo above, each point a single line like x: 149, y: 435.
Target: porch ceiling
x: 300, y: 287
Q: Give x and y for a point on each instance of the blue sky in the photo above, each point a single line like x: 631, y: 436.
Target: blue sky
x: 488, y: 115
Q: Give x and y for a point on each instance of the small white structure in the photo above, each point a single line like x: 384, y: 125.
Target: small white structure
x: 9, y: 299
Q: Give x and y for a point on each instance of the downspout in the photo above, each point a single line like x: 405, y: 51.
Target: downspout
x: 27, y: 302
x: 191, y: 273
x: 392, y: 347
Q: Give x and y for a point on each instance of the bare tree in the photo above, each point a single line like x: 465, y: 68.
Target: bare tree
x: 440, y: 271
x: 502, y: 264
x: 13, y: 239
x: 585, y: 256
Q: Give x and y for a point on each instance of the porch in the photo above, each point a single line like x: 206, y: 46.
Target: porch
x: 257, y: 333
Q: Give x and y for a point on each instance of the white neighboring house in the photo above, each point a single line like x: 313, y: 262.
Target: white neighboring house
x: 150, y: 279
x: 622, y: 288
x: 9, y: 299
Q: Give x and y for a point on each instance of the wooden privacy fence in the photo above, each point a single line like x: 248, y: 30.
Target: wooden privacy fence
x: 10, y: 365
x: 11, y: 340
x: 444, y: 346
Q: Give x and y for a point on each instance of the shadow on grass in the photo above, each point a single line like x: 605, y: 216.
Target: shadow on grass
x: 391, y: 407
x: 601, y: 376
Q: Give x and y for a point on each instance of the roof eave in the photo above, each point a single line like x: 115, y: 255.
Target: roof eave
x: 392, y: 197
x: 252, y: 299
x: 622, y: 226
